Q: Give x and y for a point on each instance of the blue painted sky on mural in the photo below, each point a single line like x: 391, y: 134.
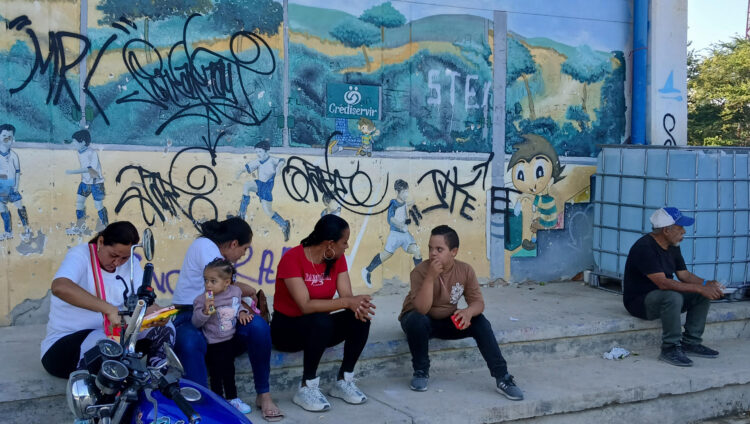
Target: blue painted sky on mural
x: 607, y: 10
x: 599, y: 35
x: 533, y: 18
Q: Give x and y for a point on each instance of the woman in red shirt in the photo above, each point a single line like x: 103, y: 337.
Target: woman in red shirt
x: 307, y: 278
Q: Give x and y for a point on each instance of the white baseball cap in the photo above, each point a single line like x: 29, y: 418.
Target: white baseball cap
x: 665, y: 217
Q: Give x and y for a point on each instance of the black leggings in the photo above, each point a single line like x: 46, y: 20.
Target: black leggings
x: 220, y: 364
x: 61, y: 358
x: 64, y: 356
x: 313, y: 333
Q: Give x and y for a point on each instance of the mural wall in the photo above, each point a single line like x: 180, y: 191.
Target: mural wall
x: 565, y: 94
x: 180, y: 111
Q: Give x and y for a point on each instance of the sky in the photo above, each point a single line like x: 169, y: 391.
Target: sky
x: 711, y: 21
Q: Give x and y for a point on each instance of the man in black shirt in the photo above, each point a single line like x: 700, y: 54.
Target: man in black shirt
x: 651, y: 291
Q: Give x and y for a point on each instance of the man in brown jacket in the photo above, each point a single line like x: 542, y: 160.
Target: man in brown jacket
x: 431, y: 310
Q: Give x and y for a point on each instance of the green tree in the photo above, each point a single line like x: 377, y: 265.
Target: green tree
x: 587, y: 67
x: 576, y: 113
x: 245, y: 15
x: 383, y: 16
x: 719, y: 95
x: 355, y: 33
x: 155, y: 10
x: 520, y: 64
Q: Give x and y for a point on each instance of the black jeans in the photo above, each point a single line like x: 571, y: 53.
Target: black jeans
x: 313, y: 333
x: 220, y: 364
x: 421, y: 328
x: 61, y: 358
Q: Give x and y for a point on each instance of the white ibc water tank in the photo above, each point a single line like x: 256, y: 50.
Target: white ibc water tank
x: 710, y: 184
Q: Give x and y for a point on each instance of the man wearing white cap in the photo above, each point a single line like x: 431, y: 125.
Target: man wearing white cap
x: 651, y: 291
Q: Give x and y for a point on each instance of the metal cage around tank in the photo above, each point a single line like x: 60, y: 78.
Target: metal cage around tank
x: 711, y: 184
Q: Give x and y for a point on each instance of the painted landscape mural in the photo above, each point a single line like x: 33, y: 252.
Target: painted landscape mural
x: 168, y: 113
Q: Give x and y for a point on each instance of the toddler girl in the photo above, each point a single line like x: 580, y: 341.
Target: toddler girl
x: 216, y: 313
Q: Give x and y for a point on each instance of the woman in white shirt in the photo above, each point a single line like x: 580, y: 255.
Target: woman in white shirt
x: 229, y: 239
x: 79, y: 310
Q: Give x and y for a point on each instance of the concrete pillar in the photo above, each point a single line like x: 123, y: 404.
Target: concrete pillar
x: 497, y: 197
x: 667, y: 73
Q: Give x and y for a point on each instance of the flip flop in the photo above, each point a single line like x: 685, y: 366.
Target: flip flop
x: 278, y: 416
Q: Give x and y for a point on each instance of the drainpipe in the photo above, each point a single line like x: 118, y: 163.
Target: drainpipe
x: 640, y: 59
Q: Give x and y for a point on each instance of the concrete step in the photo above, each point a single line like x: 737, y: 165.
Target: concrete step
x: 531, y: 323
x: 637, y: 389
x: 535, y: 324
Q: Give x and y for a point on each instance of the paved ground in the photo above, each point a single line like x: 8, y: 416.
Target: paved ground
x: 548, y: 333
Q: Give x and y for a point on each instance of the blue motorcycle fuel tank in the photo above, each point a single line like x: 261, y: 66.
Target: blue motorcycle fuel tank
x: 212, y: 409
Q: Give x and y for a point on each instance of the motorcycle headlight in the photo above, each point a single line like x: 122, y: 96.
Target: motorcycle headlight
x: 81, y: 393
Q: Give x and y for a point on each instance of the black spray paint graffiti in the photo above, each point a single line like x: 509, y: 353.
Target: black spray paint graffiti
x: 500, y: 199
x: 199, y: 82
x: 415, y: 216
x: 448, y: 188
x: 159, y: 197
x: 56, y: 58
x: 304, y: 181
x: 192, y: 83
x: 670, y: 141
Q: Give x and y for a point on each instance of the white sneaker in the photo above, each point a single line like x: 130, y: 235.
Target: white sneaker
x: 348, y: 391
x: 310, y: 398
x: 8, y: 235
x: 241, y: 406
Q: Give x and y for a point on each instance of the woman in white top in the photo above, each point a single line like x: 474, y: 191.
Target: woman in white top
x: 78, y: 310
x: 228, y: 239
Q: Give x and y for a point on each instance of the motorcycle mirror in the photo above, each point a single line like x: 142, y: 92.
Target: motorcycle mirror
x: 148, y: 244
x: 172, y: 359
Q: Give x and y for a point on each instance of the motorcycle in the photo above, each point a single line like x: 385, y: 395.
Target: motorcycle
x: 118, y: 387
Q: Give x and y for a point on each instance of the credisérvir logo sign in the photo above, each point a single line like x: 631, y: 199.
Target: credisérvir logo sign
x: 352, y: 101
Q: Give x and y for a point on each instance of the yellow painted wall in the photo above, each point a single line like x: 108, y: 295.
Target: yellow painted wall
x: 49, y: 196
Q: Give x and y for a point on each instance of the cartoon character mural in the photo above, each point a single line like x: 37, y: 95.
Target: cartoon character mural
x: 10, y: 178
x: 534, y: 168
x: 92, y: 183
x: 347, y: 141
x: 537, y: 174
x: 367, y: 127
x: 399, y: 235
x: 266, y: 166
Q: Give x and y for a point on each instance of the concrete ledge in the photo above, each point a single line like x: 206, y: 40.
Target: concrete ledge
x: 580, y: 390
x: 532, y: 322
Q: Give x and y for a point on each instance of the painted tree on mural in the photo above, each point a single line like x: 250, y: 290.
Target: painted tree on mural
x: 155, y: 10
x: 576, y: 113
x: 245, y: 15
x: 383, y: 16
x: 586, y: 67
x: 356, y: 33
x: 521, y: 65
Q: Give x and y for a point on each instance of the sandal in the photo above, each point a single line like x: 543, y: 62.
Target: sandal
x: 270, y: 415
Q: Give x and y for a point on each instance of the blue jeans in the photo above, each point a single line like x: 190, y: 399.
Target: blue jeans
x: 420, y: 329
x: 253, y: 338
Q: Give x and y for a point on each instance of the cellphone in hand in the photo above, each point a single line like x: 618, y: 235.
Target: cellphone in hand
x: 454, y: 318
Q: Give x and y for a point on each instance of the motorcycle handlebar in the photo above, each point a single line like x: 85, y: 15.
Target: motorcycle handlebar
x: 182, y: 403
x: 145, y: 291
